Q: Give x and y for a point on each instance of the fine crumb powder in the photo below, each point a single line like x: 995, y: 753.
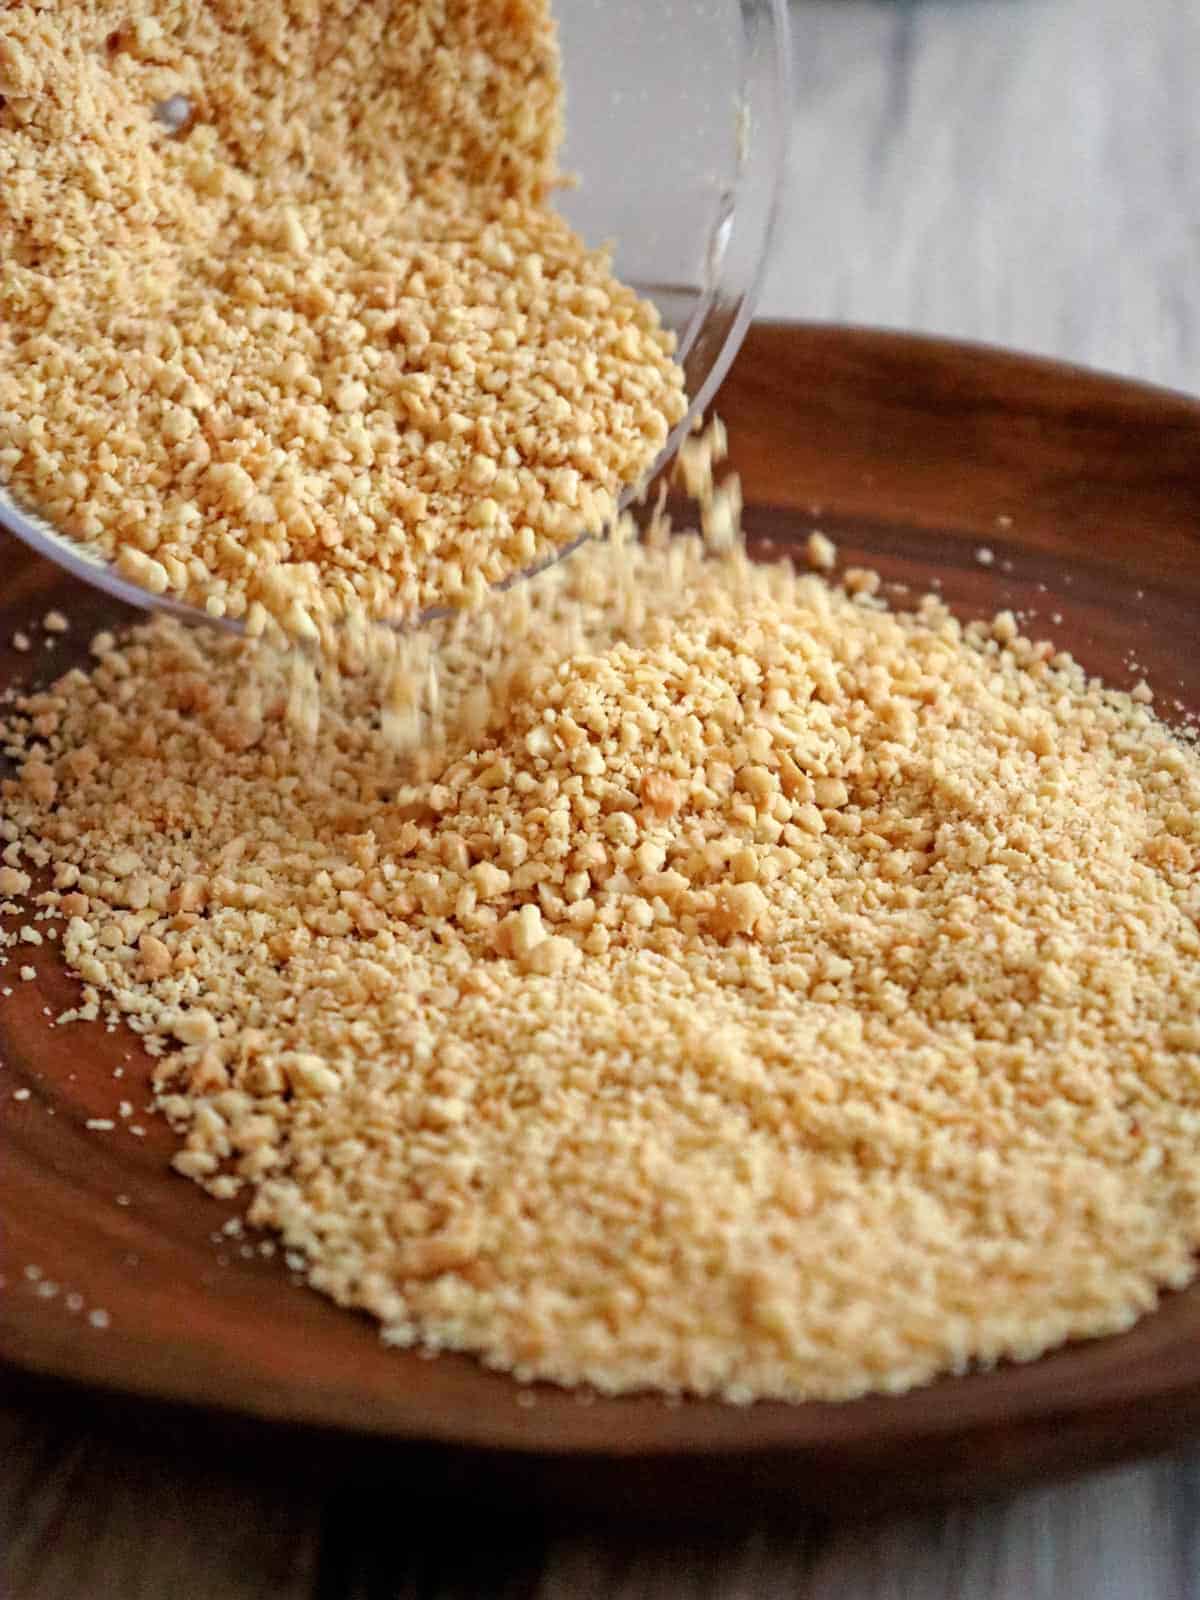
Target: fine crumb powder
x: 288, y: 326
x: 777, y: 996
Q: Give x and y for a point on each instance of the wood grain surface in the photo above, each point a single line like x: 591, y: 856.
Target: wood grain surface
x: 1019, y: 171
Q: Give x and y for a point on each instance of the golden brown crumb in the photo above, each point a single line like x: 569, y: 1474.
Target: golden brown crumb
x: 861, y: 581
x: 322, y: 347
x: 774, y: 995
x: 821, y: 551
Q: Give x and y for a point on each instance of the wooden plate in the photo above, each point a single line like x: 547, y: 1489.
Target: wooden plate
x: 1010, y: 481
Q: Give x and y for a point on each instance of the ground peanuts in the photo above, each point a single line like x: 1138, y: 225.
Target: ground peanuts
x: 288, y: 326
x: 684, y: 974
x: 777, y: 995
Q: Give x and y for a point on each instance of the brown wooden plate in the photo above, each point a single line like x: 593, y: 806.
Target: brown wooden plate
x: 1011, y: 482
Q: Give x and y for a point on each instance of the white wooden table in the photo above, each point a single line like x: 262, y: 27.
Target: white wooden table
x: 1025, y: 172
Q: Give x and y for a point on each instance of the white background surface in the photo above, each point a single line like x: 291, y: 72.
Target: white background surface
x: 1025, y: 172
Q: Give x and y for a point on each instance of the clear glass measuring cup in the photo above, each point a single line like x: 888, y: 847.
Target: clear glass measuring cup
x: 677, y: 122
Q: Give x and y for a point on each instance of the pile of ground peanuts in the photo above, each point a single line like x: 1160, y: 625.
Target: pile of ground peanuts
x: 745, y: 989
x: 288, y: 327
x: 780, y: 996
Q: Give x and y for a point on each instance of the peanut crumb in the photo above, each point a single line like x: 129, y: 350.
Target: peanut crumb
x: 821, y: 552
